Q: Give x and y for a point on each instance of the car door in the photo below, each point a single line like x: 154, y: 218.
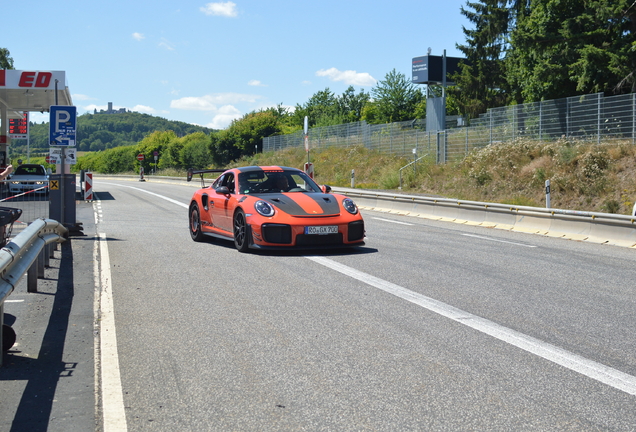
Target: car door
x: 223, y: 205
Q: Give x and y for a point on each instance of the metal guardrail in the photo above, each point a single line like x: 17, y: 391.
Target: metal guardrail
x: 603, y: 228
x: 27, y: 253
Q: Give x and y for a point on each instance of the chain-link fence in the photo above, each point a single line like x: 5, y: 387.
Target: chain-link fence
x: 592, y: 118
x: 33, y: 204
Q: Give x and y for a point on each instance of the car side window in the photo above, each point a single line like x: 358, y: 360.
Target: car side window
x: 218, y: 182
x: 230, y: 183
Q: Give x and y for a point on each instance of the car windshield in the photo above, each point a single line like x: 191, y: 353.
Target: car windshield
x: 29, y: 170
x: 276, y: 182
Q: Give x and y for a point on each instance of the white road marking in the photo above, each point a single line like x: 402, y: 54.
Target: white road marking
x: 13, y: 301
x: 152, y: 193
x: 114, y: 416
x: 597, y: 371
x: 497, y: 240
x: 392, y: 221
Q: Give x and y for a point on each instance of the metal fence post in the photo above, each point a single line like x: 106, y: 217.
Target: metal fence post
x: 598, y: 119
x: 490, y: 124
x: 540, y: 120
x: 633, y: 118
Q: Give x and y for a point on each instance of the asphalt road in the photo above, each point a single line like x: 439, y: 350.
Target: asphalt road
x: 430, y: 326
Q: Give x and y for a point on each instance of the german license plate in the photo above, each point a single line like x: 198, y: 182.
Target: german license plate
x: 329, y: 229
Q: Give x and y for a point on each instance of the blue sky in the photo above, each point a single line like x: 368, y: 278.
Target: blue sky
x: 208, y: 63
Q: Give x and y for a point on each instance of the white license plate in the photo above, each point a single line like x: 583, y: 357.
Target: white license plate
x: 330, y: 229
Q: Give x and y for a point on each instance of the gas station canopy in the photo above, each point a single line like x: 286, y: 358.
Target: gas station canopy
x: 32, y: 91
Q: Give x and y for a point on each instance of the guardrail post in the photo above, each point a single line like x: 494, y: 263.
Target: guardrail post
x: 32, y: 278
x: 47, y: 255
x: 40, y: 261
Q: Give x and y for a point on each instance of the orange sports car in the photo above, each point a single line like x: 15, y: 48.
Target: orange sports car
x: 273, y: 207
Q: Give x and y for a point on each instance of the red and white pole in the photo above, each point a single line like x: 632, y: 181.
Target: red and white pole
x: 88, y: 186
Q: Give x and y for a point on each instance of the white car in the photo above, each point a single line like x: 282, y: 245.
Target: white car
x: 29, y: 177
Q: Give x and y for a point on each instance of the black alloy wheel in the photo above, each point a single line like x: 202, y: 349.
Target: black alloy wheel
x: 241, y: 240
x: 195, y: 223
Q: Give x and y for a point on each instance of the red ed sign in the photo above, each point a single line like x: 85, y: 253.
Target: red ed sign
x: 140, y: 157
x: 16, y: 79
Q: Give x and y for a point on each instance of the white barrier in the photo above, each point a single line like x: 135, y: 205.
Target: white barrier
x: 88, y: 186
x: 604, y: 228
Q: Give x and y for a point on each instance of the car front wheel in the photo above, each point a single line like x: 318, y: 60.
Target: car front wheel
x: 241, y: 240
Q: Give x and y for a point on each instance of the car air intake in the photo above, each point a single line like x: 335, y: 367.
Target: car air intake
x: 276, y: 233
x: 355, y: 231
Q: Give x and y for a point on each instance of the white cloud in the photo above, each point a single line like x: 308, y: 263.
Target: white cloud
x: 166, y: 44
x: 227, y: 9
x: 138, y: 36
x: 256, y: 83
x: 211, y: 102
x: 224, y: 117
x: 221, y: 106
x: 38, y: 117
x: 348, y: 77
x: 81, y: 97
x: 144, y: 109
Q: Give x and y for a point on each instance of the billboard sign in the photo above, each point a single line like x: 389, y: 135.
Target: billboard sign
x: 429, y: 69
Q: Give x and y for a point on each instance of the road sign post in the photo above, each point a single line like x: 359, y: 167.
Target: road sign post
x: 140, y: 158
x: 62, y: 130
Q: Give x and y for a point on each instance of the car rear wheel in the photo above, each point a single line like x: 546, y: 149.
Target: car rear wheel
x: 195, y: 223
x: 240, y: 232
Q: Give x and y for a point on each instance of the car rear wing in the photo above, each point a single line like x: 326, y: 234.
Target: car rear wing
x: 192, y: 172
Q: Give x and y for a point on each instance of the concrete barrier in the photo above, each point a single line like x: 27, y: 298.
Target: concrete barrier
x: 603, y: 228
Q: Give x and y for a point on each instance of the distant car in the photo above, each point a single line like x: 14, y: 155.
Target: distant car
x: 29, y: 178
x: 272, y: 207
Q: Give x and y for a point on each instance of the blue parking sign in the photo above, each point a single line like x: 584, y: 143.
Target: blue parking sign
x: 62, y: 125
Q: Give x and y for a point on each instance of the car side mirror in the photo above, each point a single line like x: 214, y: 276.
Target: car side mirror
x: 223, y: 190
x: 325, y: 188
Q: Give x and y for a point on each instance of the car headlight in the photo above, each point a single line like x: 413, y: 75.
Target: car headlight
x: 264, y: 208
x: 350, y: 206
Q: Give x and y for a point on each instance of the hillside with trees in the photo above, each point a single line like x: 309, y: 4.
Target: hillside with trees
x: 97, y: 132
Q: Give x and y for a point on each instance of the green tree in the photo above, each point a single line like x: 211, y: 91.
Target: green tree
x: 194, y: 151
x: 481, y: 82
x: 394, y: 99
x: 350, y: 104
x: 6, y: 62
x: 157, y: 142
x: 244, y: 136
x: 562, y: 48
x: 321, y: 110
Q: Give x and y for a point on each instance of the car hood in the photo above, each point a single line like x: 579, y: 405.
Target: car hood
x: 23, y: 178
x: 304, y: 204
